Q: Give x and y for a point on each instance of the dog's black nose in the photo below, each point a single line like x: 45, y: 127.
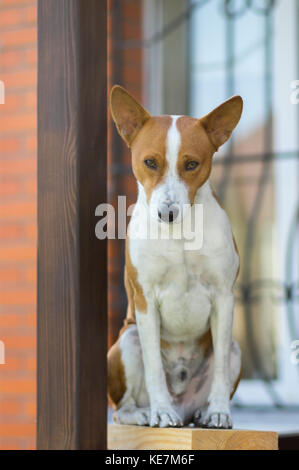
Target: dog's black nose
x: 169, y: 214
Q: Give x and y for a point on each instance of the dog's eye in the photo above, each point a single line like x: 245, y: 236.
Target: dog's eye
x: 151, y: 163
x: 189, y: 166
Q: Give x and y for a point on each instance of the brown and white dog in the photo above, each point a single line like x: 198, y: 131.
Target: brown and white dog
x: 175, y: 361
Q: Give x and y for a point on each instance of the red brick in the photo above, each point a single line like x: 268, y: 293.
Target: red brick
x: 9, y: 275
x: 17, y: 253
x: 133, y: 75
x: 17, y: 386
x: 10, y: 443
x: 24, y: 37
x: 30, y: 319
x: 20, y: 166
x: 132, y: 10
x: 31, y: 186
x: 30, y: 409
x: 13, y: 3
x: 16, y: 320
x: 23, y: 122
x: 18, y: 70
x: 9, y: 320
x: 30, y: 231
x: 9, y: 188
x: 10, y: 59
x: 9, y: 407
x: 9, y: 232
x: 17, y: 429
x: 30, y: 57
x: 134, y: 55
x: 31, y: 364
x: 15, y: 210
x: 30, y: 274
x: 19, y: 342
x: 17, y: 297
x: 31, y: 99
x: 132, y: 30
x: 12, y: 364
x: 12, y: 103
x: 9, y: 145
x: 16, y: 16
x: 19, y: 79
x: 31, y: 143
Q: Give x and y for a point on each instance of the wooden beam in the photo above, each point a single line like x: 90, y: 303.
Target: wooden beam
x: 122, y: 437
x: 72, y: 274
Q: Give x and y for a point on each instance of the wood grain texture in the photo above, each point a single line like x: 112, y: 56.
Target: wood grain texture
x: 121, y: 437
x: 72, y: 263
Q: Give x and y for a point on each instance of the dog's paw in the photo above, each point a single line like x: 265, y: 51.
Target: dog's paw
x: 135, y: 416
x: 164, y: 417
x: 218, y: 421
x: 142, y: 417
x: 213, y: 420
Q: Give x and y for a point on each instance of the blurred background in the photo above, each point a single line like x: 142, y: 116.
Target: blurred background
x: 177, y: 57
x: 186, y: 57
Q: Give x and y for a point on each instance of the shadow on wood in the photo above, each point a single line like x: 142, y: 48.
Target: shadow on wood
x: 122, y: 437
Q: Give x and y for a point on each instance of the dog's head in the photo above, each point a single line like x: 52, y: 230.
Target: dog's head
x: 172, y: 155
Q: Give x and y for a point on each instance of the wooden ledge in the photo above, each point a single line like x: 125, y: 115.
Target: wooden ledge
x: 123, y: 437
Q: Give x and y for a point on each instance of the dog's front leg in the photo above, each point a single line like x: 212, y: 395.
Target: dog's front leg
x: 162, y: 411
x: 218, y: 412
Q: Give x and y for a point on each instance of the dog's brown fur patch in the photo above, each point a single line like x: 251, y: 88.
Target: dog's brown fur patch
x: 150, y: 143
x: 195, y: 146
x: 116, y: 375
x: 205, y: 343
x: 136, y: 299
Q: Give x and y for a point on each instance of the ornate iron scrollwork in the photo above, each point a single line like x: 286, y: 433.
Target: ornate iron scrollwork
x: 235, y: 9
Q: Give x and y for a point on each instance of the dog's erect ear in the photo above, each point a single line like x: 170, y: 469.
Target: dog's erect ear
x: 221, y: 122
x: 128, y: 115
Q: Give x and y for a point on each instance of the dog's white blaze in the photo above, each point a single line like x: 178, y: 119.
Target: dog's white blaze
x: 172, y: 189
x: 173, y: 144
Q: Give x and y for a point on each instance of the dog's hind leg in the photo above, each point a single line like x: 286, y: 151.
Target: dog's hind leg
x: 126, y: 383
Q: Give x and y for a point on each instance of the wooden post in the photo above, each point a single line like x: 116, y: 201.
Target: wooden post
x: 72, y: 274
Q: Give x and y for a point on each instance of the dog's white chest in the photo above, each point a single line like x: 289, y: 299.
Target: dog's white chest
x: 183, y: 299
x: 176, y: 280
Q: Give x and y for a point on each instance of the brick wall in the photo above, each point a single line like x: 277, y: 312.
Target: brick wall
x: 124, y: 68
x: 18, y: 223
x: 18, y: 62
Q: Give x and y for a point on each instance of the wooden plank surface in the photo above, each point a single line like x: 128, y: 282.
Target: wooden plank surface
x: 122, y: 437
x: 72, y: 264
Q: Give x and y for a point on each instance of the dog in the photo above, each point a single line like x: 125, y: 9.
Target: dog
x: 175, y: 361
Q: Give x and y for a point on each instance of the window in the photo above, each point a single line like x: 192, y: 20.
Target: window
x: 198, y: 54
